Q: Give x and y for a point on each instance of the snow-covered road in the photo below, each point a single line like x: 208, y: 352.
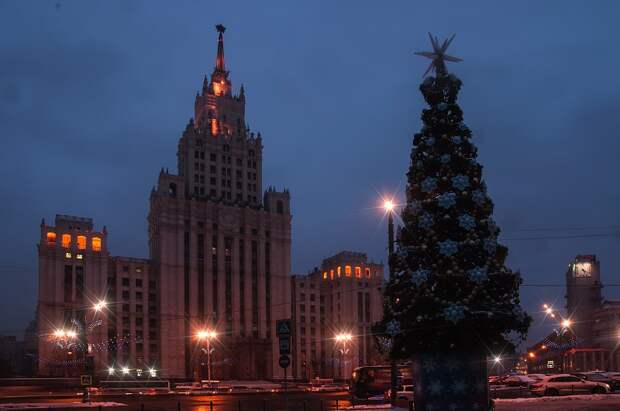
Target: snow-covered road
x: 607, y: 402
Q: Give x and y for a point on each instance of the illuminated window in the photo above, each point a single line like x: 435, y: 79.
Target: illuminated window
x: 66, y: 240
x: 81, y: 242
x: 51, y: 238
x: 96, y: 241
x: 79, y: 256
x: 368, y: 272
x: 347, y: 270
x: 67, y: 255
x: 325, y: 275
x: 339, y: 271
x: 331, y: 274
x: 358, y: 272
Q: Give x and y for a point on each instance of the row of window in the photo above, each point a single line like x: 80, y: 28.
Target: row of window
x: 66, y: 241
x: 347, y: 272
x: 200, y: 155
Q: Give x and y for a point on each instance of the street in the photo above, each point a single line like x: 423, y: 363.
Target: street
x: 239, y: 402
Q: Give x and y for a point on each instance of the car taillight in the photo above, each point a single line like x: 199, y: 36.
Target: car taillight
x: 536, y: 385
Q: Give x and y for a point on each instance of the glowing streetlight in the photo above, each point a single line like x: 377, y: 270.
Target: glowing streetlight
x: 344, y: 338
x: 207, y: 335
x: 531, y: 355
x: 100, y: 305
x: 566, y: 323
x: 152, y: 372
x: 60, y: 333
x: 111, y: 370
x: 71, y: 334
x: 388, y: 205
x: 125, y: 370
x: 497, y: 359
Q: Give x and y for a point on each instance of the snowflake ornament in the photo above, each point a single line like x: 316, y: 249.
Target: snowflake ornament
x: 393, y: 328
x: 448, y: 248
x: 419, y: 276
x: 460, y: 182
x: 478, y: 197
x: 446, y: 200
x: 478, y: 274
x: 425, y: 221
x: 489, y: 245
x: 454, y: 313
x: 429, y: 184
x: 467, y: 222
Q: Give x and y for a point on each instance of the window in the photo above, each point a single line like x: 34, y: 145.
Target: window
x: 302, y: 308
x: 331, y: 274
x: 138, y: 281
x: 125, y: 295
x: 66, y: 240
x: 339, y: 271
x: 125, y: 282
x: 139, y: 310
x: 138, y: 295
x: 368, y: 272
x: 325, y: 275
x: 358, y: 272
x: 347, y: 270
x: 96, y: 243
x: 51, y: 238
x: 81, y: 242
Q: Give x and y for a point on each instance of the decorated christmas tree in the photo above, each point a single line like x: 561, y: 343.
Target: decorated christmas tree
x: 450, y: 291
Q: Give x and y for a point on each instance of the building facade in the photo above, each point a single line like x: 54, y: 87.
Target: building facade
x: 591, y: 340
x: 341, y: 298
x: 219, y: 259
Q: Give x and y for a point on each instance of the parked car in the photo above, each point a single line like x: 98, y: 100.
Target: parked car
x: 598, y: 376
x: 559, y: 384
x: 405, y: 392
x: 537, y: 377
x: 518, y: 381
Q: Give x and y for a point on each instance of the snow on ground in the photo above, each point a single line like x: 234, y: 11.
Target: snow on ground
x: 46, y: 405
x: 602, y: 402
x: 588, y: 397
x: 370, y: 407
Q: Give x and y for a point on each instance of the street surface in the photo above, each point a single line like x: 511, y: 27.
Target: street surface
x: 236, y: 402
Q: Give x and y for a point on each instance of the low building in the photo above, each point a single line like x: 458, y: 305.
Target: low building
x: 333, y: 309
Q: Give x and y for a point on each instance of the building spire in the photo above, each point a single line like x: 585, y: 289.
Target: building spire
x: 219, y: 60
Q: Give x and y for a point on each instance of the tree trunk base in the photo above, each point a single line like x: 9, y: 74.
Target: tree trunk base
x: 450, y: 381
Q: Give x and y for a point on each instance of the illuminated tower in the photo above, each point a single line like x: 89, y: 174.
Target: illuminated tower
x: 583, y: 294
x: 219, y: 249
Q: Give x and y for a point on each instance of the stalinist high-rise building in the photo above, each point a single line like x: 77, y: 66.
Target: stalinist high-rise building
x: 219, y: 248
x: 219, y: 260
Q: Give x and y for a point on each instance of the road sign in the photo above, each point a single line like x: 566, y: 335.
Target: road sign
x: 285, y: 345
x: 283, y: 327
x: 86, y: 380
x: 285, y: 361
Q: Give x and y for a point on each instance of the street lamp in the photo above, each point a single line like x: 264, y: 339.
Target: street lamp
x: 388, y: 205
x: 207, y: 335
x: 497, y: 359
x: 344, y: 338
x: 100, y: 305
x: 566, y: 323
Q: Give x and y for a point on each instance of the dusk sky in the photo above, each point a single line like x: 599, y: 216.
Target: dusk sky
x: 94, y: 97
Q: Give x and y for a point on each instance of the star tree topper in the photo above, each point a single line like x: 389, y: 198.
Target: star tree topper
x: 438, y: 55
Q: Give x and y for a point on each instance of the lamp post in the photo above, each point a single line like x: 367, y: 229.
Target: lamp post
x: 389, y: 209
x: 344, y: 338
x: 207, y: 335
